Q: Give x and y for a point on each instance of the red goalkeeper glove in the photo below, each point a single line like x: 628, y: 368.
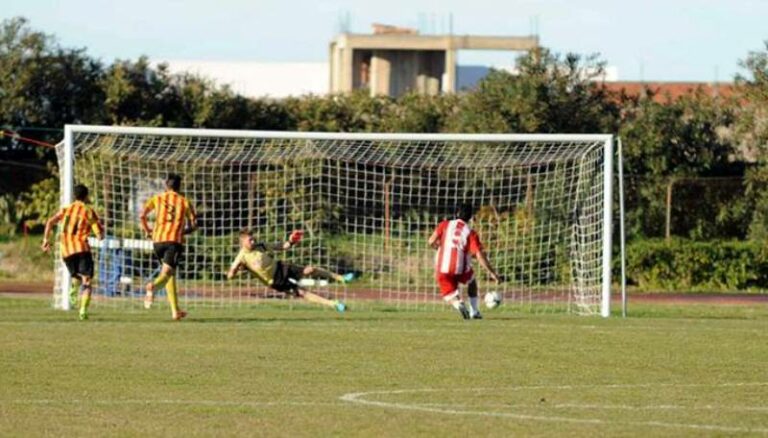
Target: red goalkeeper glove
x: 295, y: 236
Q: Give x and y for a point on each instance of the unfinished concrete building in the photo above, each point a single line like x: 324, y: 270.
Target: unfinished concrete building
x: 393, y: 61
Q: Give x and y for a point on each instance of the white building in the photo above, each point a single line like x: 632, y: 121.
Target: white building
x: 283, y: 79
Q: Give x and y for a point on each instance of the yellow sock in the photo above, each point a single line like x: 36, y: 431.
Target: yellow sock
x: 170, y: 289
x: 85, y: 301
x: 74, y: 287
x: 161, y: 280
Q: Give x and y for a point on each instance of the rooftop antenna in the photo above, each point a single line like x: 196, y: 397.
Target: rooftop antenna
x: 343, y: 22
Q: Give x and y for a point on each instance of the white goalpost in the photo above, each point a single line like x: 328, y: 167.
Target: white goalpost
x: 367, y: 203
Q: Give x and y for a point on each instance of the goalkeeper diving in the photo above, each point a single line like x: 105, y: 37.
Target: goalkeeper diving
x: 279, y: 275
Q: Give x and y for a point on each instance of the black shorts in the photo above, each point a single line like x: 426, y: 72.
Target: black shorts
x: 80, y: 264
x: 168, y: 253
x: 287, y: 276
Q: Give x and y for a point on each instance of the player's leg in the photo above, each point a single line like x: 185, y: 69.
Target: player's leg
x: 74, y: 288
x: 71, y: 263
x: 314, y: 271
x: 173, y: 299
x: 171, y: 262
x: 85, y: 297
x: 317, y: 299
x: 166, y: 272
x: 474, y: 309
x: 449, y: 290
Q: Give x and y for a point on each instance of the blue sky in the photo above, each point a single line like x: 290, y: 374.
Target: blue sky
x: 676, y: 40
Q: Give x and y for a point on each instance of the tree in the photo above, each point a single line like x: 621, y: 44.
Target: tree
x: 664, y: 143
x: 752, y: 131
x: 42, y: 84
x: 548, y: 94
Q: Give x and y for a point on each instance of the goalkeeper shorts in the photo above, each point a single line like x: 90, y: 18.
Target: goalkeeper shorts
x: 287, y: 276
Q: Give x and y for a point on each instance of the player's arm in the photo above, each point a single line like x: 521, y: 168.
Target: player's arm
x: 483, y: 260
x: 476, y: 249
x: 148, y: 207
x: 49, y: 224
x: 236, y: 266
x: 96, y: 225
x: 294, y: 238
x: 191, y: 219
x: 434, y: 239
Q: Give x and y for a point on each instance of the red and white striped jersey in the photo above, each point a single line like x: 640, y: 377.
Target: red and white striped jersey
x: 457, y: 243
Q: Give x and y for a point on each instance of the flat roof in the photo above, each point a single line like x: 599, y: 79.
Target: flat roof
x: 435, y: 42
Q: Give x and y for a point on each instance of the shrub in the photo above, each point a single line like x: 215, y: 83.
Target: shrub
x: 687, y: 266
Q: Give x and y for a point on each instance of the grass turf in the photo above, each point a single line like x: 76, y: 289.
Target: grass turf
x: 268, y: 370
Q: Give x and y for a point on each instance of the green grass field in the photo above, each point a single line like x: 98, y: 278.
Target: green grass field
x: 268, y: 370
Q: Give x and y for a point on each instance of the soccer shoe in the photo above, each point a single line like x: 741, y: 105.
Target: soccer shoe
x: 340, y: 307
x: 347, y: 278
x: 83, y: 315
x: 475, y: 315
x: 179, y: 315
x: 463, y: 310
x: 149, y: 298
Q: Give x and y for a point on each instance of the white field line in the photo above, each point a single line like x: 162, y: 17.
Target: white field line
x: 360, y: 398
x: 600, y: 406
x: 213, y: 403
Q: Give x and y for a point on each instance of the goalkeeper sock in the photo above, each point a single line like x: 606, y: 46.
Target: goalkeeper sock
x: 161, y: 280
x: 473, y: 304
x: 170, y: 289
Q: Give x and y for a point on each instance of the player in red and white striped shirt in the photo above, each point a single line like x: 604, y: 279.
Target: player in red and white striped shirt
x: 455, y: 243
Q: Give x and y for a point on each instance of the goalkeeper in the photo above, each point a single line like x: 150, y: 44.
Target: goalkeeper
x: 281, y: 276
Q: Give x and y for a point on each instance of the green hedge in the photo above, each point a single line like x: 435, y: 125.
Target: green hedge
x: 686, y: 266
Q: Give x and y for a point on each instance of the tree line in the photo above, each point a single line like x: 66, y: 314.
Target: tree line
x: 671, y: 144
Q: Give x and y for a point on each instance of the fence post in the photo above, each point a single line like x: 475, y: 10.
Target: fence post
x: 668, y: 228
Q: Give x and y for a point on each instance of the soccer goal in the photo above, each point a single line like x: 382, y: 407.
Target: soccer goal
x: 367, y: 204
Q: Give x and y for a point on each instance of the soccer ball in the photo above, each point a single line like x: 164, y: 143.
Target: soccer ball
x: 492, y: 300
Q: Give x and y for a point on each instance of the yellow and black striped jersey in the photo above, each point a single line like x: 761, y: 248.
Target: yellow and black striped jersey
x: 77, y: 221
x: 171, y: 211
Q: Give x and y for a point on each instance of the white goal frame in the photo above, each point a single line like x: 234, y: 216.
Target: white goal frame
x: 67, y: 156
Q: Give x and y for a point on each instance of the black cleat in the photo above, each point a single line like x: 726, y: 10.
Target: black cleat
x: 476, y: 315
x: 463, y: 310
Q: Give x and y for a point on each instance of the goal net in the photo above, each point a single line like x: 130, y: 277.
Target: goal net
x: 367, y: 204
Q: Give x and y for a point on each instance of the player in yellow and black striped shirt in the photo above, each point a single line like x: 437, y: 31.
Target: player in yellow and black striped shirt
x: 174, y: 217
x: 78, y: 220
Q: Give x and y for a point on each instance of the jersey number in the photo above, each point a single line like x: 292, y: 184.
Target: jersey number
x: 170, y: 213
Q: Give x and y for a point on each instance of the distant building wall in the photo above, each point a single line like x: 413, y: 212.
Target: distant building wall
x: 260, y: 79
x: 285, y: 79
